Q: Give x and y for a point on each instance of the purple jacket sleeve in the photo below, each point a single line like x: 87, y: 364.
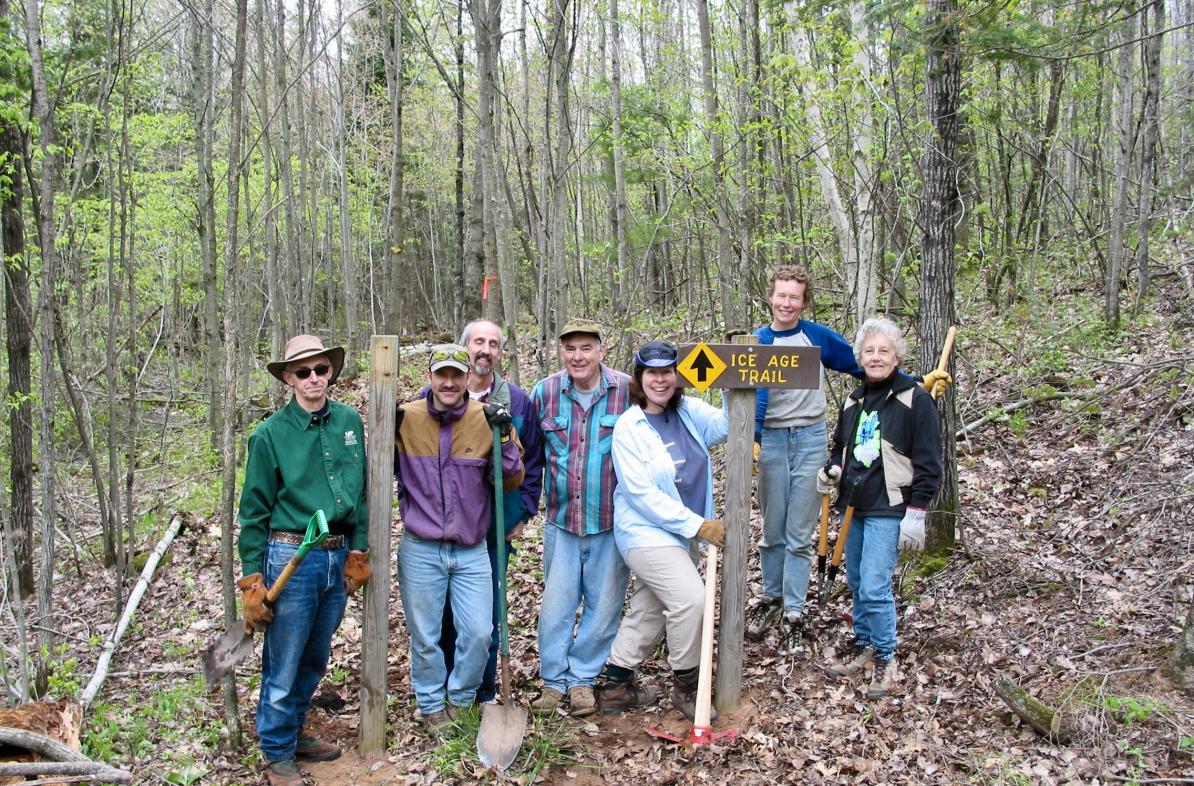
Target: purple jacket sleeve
x: 526, y: 422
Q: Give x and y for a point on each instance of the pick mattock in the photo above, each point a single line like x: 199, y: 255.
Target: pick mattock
x: 702, y: 727
x: 843, y: 532
x: 823, y: 549
x: 504, y: 725
x: 221, y: 657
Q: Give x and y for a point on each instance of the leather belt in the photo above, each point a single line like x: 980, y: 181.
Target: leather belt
x: 296, y: 539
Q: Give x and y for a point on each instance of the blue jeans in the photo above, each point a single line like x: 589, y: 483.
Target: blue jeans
x: 872, y: 548
x: 447, y: 637
x: 578, y: 569
x: 297, y: 643
x: 788, y: 462
x: 430, y: 573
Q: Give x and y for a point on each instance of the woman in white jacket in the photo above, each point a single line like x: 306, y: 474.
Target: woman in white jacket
x: 664, y: 498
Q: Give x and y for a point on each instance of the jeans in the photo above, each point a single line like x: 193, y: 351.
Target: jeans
x: 430, y: 573
x: 447, y: 637
x: 872, y: 548
x: 788, y: 499
x: 297, y: 643
x: 578, y: 569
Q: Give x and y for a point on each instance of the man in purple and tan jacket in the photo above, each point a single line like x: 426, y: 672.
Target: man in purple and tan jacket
x: 444, y: 465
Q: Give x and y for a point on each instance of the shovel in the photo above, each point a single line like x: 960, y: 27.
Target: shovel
x: 221, y: 657
x: 502, y: 725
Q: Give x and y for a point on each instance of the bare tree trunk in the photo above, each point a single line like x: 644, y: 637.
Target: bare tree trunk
x: 1125, y: 145
x: 294, y: 260
x: 462, y: 305
x: 1150, y: 111
x: 732, y: 304
x: 940, y: 207
x: 392, y: 54
x: 18, y: 319
x: 348, y: 269
x: 43, y: 112
x: 275, y: 287
x: 228, y: 442
x: 619, y: 212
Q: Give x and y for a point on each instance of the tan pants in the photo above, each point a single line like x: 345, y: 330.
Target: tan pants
x: 668, y: 594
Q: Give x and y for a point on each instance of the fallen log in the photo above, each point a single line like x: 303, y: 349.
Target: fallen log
x: 105, y: 658
x: 91, y: 770
x: 1047, y: 721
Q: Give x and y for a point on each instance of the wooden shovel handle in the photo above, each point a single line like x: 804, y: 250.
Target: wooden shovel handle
x: 823, y: 539
x: 704, y: 697
x: 842, y: 532
x: 273, y: 592
x: 947, y: 348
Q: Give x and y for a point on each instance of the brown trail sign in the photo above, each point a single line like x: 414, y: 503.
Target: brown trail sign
x: 750, y: 366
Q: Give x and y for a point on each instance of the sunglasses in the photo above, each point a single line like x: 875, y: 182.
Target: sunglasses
x: 654, y: 355
x: 459, y: 355
x: 305, y: 371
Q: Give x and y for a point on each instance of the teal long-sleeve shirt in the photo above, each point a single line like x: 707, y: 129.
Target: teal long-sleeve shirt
x: 299, y: 462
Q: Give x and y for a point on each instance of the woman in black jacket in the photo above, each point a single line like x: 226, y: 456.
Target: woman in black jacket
x: 886, y: 462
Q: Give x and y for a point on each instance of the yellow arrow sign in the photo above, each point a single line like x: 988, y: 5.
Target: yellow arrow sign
x: 701, y: 367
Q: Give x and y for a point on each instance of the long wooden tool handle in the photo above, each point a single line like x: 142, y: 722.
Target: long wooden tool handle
x: 947, y: 348
x: 823, y: 541
x: 842, y: 532
x: 273, y: 592
x: 704, y: 698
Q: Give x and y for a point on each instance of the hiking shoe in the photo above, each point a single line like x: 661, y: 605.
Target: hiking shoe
x: 884, y: 678
x: 437, y: 725
x: 793, y: 636
x: 284, y: 773
x: 548, y: 702
x: 581, y: 701
x: 311, y: 748
x: 620, y: 696
x: 764, y: 616
x: 861, y: 656
x: 684, y: 691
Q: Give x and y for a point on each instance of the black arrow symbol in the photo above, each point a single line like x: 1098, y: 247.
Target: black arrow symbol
x: 701, y: 364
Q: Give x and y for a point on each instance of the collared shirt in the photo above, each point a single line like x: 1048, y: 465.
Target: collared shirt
x: 580, y: 476
x: 300, y: 462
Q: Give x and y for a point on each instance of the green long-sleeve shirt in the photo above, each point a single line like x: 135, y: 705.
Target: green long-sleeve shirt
x: 298, y: 462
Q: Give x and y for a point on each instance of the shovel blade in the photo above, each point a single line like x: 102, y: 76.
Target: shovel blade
x: 498, y: 740
x: 220, y: 659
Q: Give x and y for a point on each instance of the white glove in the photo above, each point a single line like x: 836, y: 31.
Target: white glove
x: 827, y: 479
x: 912, y: 529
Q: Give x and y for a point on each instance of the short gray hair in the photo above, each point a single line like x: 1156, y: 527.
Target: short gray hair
x: 464, y: 334
x: 886, y: 327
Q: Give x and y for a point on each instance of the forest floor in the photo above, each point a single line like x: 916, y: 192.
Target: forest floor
x: 1071, y: 577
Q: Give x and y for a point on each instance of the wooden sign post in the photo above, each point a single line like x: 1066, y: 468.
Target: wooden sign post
x: 375, y: 631
x: 742, y: 367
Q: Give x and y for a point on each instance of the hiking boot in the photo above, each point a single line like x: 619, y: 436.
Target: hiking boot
x: 861, y: 656
x: 311, y: 748
x: 684, y: 691
x: 764, y: 616
x: 581, y: 701
x: 620, y: 696
x: 284, y: 773
x: 793, y: 636
x: 884, y: 678
x: 437, y: 725
x: 548, y: 702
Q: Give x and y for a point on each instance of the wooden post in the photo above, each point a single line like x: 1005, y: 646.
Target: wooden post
x: 737, y: 520
x: 375, y: 632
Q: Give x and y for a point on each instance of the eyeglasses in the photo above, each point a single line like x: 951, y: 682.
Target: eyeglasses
x: 459, y: 355
x: 305, y: 371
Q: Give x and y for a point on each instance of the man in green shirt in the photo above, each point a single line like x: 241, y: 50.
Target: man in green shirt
x: 307, y: 456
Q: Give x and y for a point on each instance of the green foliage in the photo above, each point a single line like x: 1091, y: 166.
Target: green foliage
x: 551, y: 741
x: 1130, y: 709
x: 168, y: 720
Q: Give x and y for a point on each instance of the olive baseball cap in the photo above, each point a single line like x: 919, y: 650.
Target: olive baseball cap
x: 581, y: 326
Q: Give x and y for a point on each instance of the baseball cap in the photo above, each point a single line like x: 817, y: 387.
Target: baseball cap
x: 449, y: 356
x: 581, y: 326
x: 656, y: 354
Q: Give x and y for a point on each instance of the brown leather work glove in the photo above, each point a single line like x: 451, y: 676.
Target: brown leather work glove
x: 936, y: 383
x: 356, y: 571
x: 257, y: 614
x: 713, y: 531
x: 756, y: 449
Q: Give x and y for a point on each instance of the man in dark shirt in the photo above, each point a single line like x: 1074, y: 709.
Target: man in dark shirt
x: 307, y: 456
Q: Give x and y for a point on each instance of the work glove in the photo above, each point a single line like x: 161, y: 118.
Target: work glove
x: 827, y: 478
x: 912, y: 530
x: 398, y: 413
x: 713, y: 531
x: 936, y: 382
x: 257, y: 614
x: 356, y: 571
x: 499, y: 417
x: 757, y: 449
